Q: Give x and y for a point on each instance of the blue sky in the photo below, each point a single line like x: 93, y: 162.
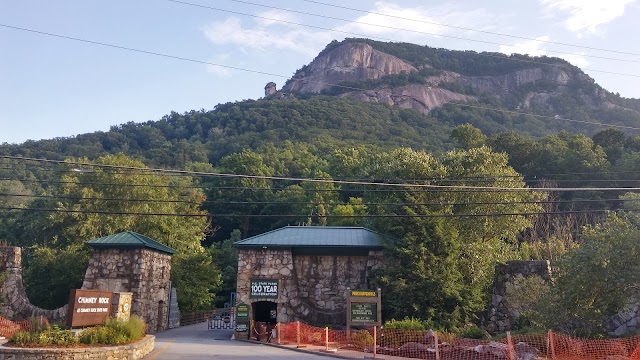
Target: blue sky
x: 52, y: 87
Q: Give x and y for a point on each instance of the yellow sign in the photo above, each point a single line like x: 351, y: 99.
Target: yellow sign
x: 364, y: 293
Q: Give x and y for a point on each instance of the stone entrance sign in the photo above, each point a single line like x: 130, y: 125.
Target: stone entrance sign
x: 88, y: 307
x: 264, y: 288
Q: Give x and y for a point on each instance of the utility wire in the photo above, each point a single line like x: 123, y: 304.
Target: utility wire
x: 502, y: 57
x: 225, y: 202
x: 471, y: 29
x: 414, y: 31
x: 323, y: 181
x: 317, y: 215
x: 284, y: 76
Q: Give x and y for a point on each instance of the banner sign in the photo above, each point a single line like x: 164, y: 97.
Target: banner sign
x: 242, y: 313
x: 364, y: 293
x: 364, y: 312
x: 88, y: 307
x: 261, y: 288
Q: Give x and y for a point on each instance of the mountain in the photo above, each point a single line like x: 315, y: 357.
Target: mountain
x: 360, y: 91
x: 423, y: 78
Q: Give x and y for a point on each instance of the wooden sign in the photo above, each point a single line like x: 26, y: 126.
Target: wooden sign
x: 88, y: 307
x: 364, y: 307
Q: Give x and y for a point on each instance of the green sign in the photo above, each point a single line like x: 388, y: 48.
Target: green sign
x: 364, y: 293
x: 264, y: 289
x: 242, y: 313
x: 364, y: 312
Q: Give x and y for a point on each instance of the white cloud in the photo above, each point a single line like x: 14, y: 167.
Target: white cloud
x: 535, y: 48
x: 266, y: 35
x: 587, y: 15
x: 387, y: 18
x: 269, y: 32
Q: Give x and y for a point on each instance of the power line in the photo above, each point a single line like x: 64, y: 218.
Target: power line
x: 412, y: 31
x: 278, y: 75
x: 502, y: 57
x: 297, y: 179
x: 441, y: 203
x: 317, y: 215
x: 532, y: 178
x: 472, y: 29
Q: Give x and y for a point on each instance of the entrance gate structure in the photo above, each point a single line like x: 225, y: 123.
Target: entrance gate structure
x: 222, y: 319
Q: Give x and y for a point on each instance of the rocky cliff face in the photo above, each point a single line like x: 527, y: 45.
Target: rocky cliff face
x: 348, y: 62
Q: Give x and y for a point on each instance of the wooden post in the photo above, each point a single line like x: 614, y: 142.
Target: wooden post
x: 437, y: 347
x: 375, y: 341
x: 278, y: 334
x: 552, y: 346
x: 298, y: 332
x: 251, y: 332
x: 512, y: 355
x: 326, y: 339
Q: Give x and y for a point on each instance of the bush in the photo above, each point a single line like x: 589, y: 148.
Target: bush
x: 473, y: 332
x: 44, y: 336
x: 362, y: 339
x: 405, y: 324
x: 114, y: 332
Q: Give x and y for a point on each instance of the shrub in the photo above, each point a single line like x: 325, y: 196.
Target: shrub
x: 40, y: 335
x: 114, y: 332
x: 473, y: 332
x: 362, y: 339
x: 405, y: 324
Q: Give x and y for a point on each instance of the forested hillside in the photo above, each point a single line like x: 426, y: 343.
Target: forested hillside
x: 450, y: 181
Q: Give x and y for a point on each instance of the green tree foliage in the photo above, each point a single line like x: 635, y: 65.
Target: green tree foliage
x: 438, y: 268
x: 596, y: 280
x: 86, y: 212
x: 50, y: 273
x: 467, y: 137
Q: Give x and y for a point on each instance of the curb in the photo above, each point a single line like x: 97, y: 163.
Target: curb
x: 335, y: 356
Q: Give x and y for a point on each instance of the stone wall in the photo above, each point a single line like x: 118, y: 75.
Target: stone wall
x: 500, y: 315
x: 14, y: 303
x: 143, y: 272
x: 626, y: 322
x: 135, y: 351
x: 312, y: 288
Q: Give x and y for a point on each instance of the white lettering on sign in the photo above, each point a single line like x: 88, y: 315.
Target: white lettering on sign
x: 93, y: 300
x: 92, y: 310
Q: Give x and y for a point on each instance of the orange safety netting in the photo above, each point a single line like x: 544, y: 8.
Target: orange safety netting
x: 437, y: 346
x: 8, y: 327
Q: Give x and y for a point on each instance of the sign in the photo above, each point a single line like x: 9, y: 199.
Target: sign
x: 88, y: 307
x: 241, y: 328
x: 242, y: 313
x: 364, y: 312
x: 364, y: 293
x: 264, y: 289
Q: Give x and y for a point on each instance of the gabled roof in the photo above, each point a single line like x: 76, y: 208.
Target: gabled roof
x: 315, y: 237
x: 130, y: 239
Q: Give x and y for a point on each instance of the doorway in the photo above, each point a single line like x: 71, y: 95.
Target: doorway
x: 265, y: 312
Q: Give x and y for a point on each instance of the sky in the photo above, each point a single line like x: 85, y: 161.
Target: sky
x: 51, y: 86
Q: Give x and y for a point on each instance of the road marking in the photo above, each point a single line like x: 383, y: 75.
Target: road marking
x: 153, y: 356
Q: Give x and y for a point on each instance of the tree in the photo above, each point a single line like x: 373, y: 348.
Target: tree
x: 440, y: 265
x: 97, y: 202
x: 596, y: 280
x: 467, y: 136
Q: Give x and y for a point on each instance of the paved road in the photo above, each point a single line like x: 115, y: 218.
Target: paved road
x: 195, y: 342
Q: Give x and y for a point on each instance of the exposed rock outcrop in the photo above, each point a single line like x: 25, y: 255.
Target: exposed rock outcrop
x: 418, y: 97
x: 347, y: 62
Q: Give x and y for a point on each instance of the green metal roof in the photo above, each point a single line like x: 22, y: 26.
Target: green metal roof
x: 130, y: 239
x: 315, y: 237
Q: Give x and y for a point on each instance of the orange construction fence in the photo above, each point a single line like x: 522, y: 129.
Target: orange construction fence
x: 439, y: 346
x: 8, y: 327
